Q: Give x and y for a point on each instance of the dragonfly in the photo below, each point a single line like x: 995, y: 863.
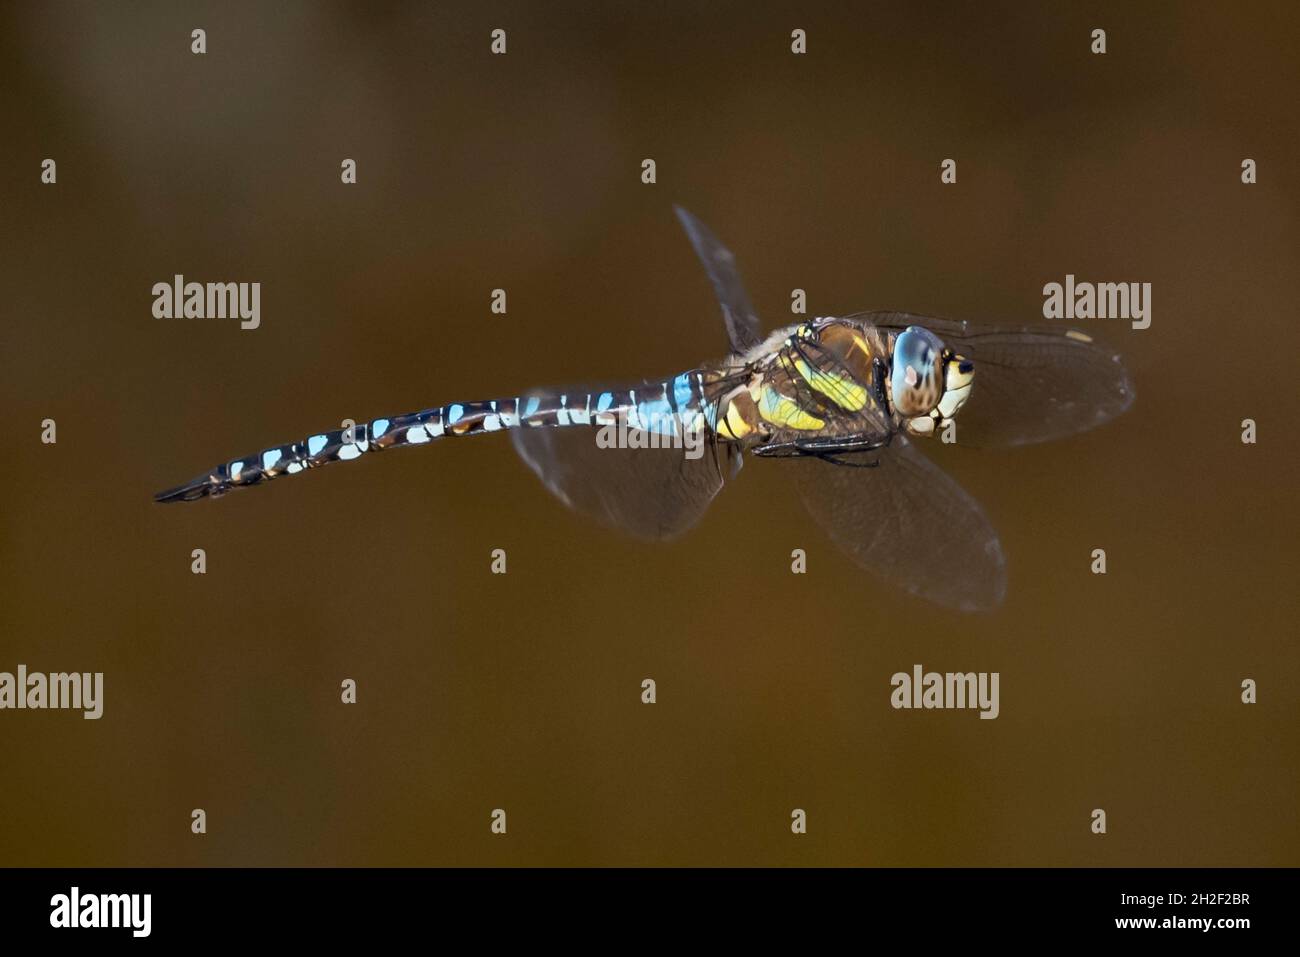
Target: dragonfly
x: 845, y: 402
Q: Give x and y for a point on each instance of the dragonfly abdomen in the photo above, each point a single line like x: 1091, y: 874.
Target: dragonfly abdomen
x: 653, y: 408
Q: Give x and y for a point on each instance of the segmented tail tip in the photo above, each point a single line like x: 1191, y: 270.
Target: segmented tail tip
x: 191, y: 491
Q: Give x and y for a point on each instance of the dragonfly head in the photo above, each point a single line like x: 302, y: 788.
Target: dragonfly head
x: 928, y: 382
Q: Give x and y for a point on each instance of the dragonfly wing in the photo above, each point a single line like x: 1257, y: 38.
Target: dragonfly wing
x: 909, y: 523
x: 653, y: 494
x: 1032, y: 383
x: 742, y: 321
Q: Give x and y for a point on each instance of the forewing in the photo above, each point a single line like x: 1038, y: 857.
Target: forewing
x: 909, y: 523
x: 742, y: 321
x: 1032, y: 383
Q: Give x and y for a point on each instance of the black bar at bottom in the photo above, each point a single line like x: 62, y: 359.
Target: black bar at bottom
x: 535, y: 905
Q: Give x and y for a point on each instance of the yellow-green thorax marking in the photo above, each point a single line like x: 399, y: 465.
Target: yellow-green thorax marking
x: 802, y: 376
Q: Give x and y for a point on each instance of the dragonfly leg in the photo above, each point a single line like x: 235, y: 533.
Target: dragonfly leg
x: 834, y: 459
x: 823, y: 447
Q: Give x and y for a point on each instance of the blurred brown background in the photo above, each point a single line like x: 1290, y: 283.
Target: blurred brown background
x: 522, y: 171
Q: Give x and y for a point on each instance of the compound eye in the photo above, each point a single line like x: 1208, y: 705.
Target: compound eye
x: 915, y: 378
